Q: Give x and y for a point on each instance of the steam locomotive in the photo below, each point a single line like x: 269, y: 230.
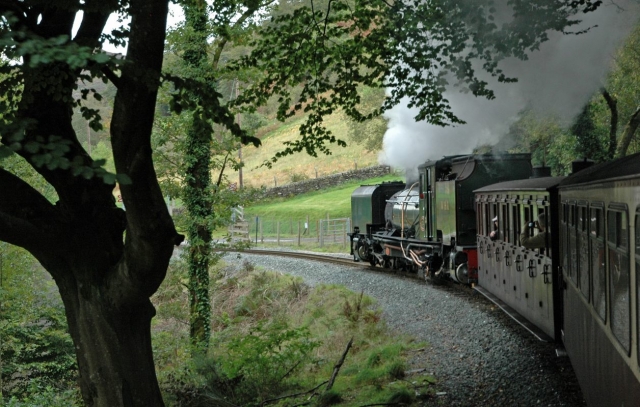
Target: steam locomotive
x: 580, y: 288
x: 429, y: 226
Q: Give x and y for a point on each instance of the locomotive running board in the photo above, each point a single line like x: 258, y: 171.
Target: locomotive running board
x: 534, y: 330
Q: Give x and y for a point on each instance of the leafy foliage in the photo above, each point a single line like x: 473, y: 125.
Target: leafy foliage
x: 416, y: 49
x: 37, y: 351
x: 264, y: 361
x: 590, y: 139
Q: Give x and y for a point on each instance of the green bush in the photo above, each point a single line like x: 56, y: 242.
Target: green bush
x: 265, y: 361
x: 46, y: 397
x: 329, y: 398
x: 37, y: 350
x: 297, y: 177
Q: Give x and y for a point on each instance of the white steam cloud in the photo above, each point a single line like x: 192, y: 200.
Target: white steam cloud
x: 559, y: 78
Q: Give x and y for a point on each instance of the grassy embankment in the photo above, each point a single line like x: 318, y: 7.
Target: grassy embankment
x: 276, y: 342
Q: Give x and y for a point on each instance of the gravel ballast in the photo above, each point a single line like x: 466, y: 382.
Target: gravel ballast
x: 478, y: 355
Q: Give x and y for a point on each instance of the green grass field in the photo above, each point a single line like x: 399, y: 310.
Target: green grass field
x: 333, y: 203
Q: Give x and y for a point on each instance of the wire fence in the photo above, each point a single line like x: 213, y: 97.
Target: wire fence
x: 293, y: 231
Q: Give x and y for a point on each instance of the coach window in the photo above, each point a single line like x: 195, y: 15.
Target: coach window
x: 597, y: 261
x: 493, y: 213
x: 515, y: 224
x: 583, y: 251
x: 479, y: 219
x: 564, y: 236
x: 504, y: 222
x: 528, y: 216
x: 619, y: 278
x: 487, y: 218
x: 637, y: 245
x: 547, y: 217
x: 573, y: 245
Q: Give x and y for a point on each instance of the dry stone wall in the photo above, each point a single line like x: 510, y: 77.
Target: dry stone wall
x: 302, y: 187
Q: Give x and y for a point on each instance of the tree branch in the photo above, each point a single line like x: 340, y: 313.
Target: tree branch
x: 613, y: 127
x: 337, y: 367
x: 244, y: 17
x: 56, y: 21
x: 18, y: 232
x: 151, y: 235
x: 296, y: 394
x: 14, y: 7
x: 627, y: 134
x: 92, y: 25
x: 224, y: 165
x: 115, y: 79
x: 22, y: 211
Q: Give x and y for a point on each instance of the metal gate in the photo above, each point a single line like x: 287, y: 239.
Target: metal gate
x: 334, y: 231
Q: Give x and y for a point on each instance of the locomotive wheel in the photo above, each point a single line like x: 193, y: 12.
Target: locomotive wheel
x: 462, y: 273
x: 362, y: 253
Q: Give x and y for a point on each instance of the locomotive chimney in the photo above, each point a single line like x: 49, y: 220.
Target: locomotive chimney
x: 579, y: 165
x: 540, y: 172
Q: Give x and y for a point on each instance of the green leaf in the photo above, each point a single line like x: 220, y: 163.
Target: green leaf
x: 32, y: 147
x: 123, y: 179
x: 5, y: 152
x: 109, y: 178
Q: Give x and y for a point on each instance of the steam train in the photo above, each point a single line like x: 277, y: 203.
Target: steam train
x: 429, y: 227
x: 579, y: 288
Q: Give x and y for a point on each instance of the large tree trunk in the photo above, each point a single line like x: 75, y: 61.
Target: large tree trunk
x: 114, y: 356
x: 105, y: 278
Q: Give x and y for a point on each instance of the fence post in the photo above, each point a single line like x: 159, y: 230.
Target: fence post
x: 318, y: 224
x: 261, y: 231
x: 278, y: 231
x: 257, y: 222
x: 347, y: 227
x: 299, y: 233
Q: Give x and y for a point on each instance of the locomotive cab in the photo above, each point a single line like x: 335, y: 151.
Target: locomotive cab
x: 447, y: 205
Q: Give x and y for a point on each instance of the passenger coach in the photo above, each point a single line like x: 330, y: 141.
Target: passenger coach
x: 524, y: 282
x: 599, y: 221
x: 582, y: 287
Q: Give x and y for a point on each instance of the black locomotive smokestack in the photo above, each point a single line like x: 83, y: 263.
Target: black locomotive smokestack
x: 540, y: 171
x: 579, y: 165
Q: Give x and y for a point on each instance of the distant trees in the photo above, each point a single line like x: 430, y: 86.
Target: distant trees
x: 615, y: 112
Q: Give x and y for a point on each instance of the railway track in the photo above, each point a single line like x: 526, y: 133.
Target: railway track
x: 449, y: 286
x: 325, y: 258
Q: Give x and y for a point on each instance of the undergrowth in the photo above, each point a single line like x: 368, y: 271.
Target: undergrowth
x: 277, y: 341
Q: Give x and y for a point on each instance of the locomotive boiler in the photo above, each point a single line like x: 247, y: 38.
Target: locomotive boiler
x: 428, y: 226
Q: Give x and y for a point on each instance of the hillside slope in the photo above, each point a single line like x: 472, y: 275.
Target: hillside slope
x: 300, y: 166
